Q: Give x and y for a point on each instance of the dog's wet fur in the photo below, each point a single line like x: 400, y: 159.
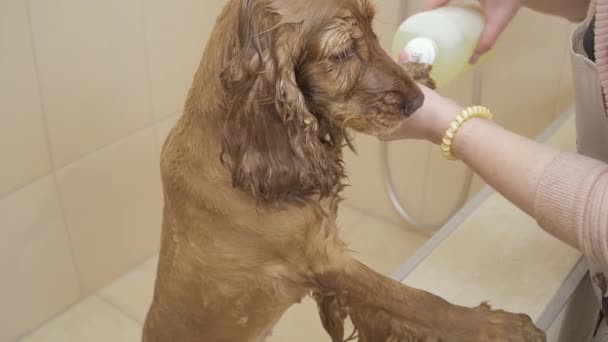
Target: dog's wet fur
x: 252, y: 176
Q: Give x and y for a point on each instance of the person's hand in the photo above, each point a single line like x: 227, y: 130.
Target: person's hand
x: 499, y: 14
x: 430, y: 121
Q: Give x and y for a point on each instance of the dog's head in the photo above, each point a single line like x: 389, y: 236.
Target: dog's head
x: 296, y: 74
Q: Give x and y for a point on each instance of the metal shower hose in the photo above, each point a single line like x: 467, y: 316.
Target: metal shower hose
x: 464, y: 192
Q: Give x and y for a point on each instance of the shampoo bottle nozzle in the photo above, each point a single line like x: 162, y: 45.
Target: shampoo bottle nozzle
x: 419, y: 50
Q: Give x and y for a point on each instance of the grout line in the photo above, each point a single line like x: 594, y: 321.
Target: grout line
x: 48, y: 320
x: 49, y: 148
x: 52, y: 160
x: 57, y: 315
x: 159, y: 143
x: 441, y: 235
x: 142, y: 17
x: 425, y: 184
x: 87, y: 155
x: 129, y: 271
x: 369, y: 215
x: 152, y: 124
x: 10, y: 191
x: 96, y: 294
x: 117, y: 307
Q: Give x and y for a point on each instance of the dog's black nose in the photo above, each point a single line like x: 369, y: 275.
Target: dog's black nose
x: 410, y: 106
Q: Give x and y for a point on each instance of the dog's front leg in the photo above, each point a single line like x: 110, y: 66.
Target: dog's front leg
x: 408, y: 314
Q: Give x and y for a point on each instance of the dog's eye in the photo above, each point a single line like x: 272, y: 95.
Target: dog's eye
x: 343, y: 55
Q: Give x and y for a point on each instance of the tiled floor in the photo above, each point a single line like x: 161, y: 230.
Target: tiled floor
x: 116, y: 313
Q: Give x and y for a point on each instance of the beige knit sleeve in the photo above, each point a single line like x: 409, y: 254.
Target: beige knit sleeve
x: 573, y: 10
x: 572, y: 203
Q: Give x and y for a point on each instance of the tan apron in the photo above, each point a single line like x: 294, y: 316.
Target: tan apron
x: 591, y: 130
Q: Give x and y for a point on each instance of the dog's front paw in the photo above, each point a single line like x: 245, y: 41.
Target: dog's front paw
x: 504, y: 326
x: 421, y: 73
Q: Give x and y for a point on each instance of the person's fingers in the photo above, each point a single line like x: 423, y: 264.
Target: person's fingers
x: 486, y: 41
x: 498, y: 17
x: 432, y: 4
x: 494, y: 27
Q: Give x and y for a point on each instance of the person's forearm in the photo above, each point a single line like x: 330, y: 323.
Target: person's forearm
x: 509, y: 163
x: 566, y: 193
x: 573, y: 10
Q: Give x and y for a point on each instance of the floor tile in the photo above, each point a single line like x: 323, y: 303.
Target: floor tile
x: 38, y: 276
x: 382, y: 245
x: 476, y: 262
x: 133, y: 292
x: 92, y: 320
x: 301, y: 323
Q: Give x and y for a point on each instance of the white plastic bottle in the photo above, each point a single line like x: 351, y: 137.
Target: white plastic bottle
x: 445, y: 37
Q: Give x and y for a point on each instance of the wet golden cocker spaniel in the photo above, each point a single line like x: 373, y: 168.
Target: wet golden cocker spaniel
x: 252, y: 175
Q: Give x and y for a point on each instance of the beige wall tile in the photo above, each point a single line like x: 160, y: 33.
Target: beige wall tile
x: 92, y: 320
x: 38, y: 276
x: 164, y: 127
x: 409, y: 162
x: 565, y: 137
x: 176, y: 32
x: 113, y: 203
x: 388, y: 19
x: 385, y: 32
x: 461, y: 89
x: 22, y: 135
x: 476, y: 187
x: 132, y: 293
x: 566, y: 89
x: 445, y: 189
x: 522, y: 80
x: 348, y: 217
x: 389, y: 11
x: 364, y: 168
x: 364, y: 175
x: 412, y: 7
x: 91, y: 57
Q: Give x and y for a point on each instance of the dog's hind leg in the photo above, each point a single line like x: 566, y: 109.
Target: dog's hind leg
x: 385, y: 307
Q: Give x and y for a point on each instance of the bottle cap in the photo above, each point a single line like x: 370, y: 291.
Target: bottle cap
x: 419, y: 50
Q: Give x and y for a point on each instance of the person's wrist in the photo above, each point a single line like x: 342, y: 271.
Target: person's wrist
x: 441, y: 120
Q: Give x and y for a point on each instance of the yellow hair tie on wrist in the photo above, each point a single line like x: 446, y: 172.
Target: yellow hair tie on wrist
x: 459, y: 120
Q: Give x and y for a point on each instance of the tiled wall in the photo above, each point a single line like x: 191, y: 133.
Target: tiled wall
x: 89, y: 90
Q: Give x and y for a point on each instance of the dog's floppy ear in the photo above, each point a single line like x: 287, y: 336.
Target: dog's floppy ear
x: 271, y: 144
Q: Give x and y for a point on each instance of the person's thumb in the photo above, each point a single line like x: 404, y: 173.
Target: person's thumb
x: 432, y: 4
